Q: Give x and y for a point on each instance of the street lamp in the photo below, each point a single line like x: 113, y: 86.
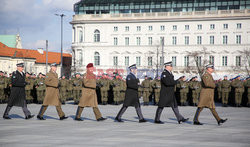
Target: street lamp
x: 61, y: 15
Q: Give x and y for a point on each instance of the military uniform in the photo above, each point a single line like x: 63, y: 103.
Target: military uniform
x: 196, y: 89
x: 146, y: 91
x: 70, y: 89
x: 156, y: 85
x: 184, y: 88
x: 7, y: 89
x: 77, y: 89
x: 123, y: 89
x: 239, y: 90
x: 218, y: 86
x: 40, y: 90
x: 247, y: 85
x: 2, y: 87
x: 104, y: 88
x: 225, y: 89
x: 28, y: 89
x: 63, y: 90
x: 116, y: 90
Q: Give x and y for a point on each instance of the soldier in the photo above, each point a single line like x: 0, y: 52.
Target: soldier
x: 225, y: 89
x: 8, y: 87
x: 239, y: 90
x: 146, y: 87
x: 2, y: 86
x: 218, y: 86
x: 52, y: 94
x: 184, y: 88
x: 17, y: 95
x: 195, y: 86
x: 131, y: 95
x: 116, y: 89
x: 156, y: 85
x: 104, y: 88
x: 70, y: 89
x: 123, y: 90
x: 40, y: 88
x: 247, y: 85
x: 167, y: 96
x: 207, y: 96
x: 89, y: 97
x: 63, y: 89
x: 28, y: 88
x: 77, y: 86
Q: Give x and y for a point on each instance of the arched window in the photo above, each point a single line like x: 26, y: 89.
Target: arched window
x: 97, y: 58
x: 80, y: 36
x: 97, y: 36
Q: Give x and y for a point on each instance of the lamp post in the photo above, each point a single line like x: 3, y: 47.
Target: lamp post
x: 61, y: 15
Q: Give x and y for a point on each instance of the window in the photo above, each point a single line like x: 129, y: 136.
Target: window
x: 199, y: 27
x: 211, y: 39
x: 80, y: 36
x: 186, y: 61
x: 174, y: 27
x: 138, y: 40
x: 138, y: 28
x: 150, y: 28
x: 238, y: 39
x: 80, y: 57
x: 115, y: 41
x: 238, y: 25
x: 199, y: 40
x: 238, y: 61
x: 115, y: 29
x: 126, y: 40
x: 186, y: 27
x: 186, y: 40
x: 115, y: 60
x: 127, y: 61
x: 150, y: 41
x: 97, y: 36
x: 162, y: 28
x: 212, y: 26
x: 161, y: 60
x: 174, y: 41
x: 224, y: 60
x: 174, y: 60
x: 211, y: 59
x: 198, y: 60
x: 97, y: 58
x: 162, y: 40
x: 150, y: 61
x: 225, y: 39
x: 225, y: 26
x: 138, y: 61
x: 127, y: 28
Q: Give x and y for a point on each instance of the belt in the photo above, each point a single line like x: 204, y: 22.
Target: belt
x: 89, y: 87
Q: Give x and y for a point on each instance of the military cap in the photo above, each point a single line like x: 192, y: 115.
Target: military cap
x: 90, y: 65
x: 77, y: 73
x: 53, y: 64
x: 145, y: 76
x: 225, y: 76
x: 168, y: 63
x: 43, y: 74
x: 237, y: 77
x: 20, y: 64
x: 195, y: 77
x: 209, y: 66
x: 132, y: 66
x: 1, y: 72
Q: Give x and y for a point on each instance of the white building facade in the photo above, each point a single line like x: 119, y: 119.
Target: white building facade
x: 116, y: 40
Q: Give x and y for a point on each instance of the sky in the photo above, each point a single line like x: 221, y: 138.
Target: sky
x: 36, y: 22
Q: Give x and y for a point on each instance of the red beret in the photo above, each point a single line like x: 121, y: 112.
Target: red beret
x: 90, y: 65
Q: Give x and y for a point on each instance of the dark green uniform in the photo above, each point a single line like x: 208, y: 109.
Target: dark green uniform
x: 2, y: 87
x: 116, y: 90
x: 195, y: 86
x: 239, y: 90
x: 184, y: 88
x: 123, y: 90
x: 225, y: 89
x: 77, y: 83
x: 156, y: 85
x: 28, y: 90
x: 40, y: 90
x: 104, y: 88
x: 70, y: 89
x: 63, y: 90
x: 218, y: 86
x: 146, y: 91
x: 7, y: 89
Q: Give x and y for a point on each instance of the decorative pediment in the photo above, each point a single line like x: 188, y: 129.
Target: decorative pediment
x: 126, y: 52
x: 114, y: 52
x: 224, y: 52
x: 137, y: 52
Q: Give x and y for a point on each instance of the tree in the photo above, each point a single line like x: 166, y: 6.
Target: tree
x: 245, y: 54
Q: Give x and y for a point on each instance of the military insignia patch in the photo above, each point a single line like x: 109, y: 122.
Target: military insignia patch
x: 128, y: 78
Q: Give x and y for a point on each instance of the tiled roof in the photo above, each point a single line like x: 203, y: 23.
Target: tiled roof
x: 6, y: 51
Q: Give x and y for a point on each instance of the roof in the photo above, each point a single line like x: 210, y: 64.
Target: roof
x: 9, y: 40
x: 6, y: 51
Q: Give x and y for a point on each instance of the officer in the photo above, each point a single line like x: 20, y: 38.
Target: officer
x: 40, y: 88
x: 225, y: 89
x: 28, y: 88
x: 77, y: 86
x: 52, y: 94
x: 195, y: 86
x: 156, y: 85
x: 17, y: 95
x: 247, y: 85
x: 207, y: 96
x: 131, y: 95
x: 63, y: 89
x: 184, y: 88
x: 239, y: 90
x: 146, y: 87
x: 116, y: 89
x: 2, y: 86
x: 104, y: 83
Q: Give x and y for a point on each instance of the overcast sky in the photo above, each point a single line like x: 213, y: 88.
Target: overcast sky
x: 35, y: 21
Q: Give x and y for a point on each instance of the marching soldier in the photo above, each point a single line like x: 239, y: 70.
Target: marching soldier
x: 207, y: 96
x: 156, y: 85
x: 116, y: 89
x: 131, y: 95
x: 77, y: 86
x: 40, y: 88
x: 52, y: 94
x: 247, y: 85
x: 195, y: 86
x: 28, y: 88
x: 104, y: 83
x: 89, y: 97
x: 225, y: 89
x: 2, y: 86
x: 167, y: 96
x: 17, y: 95
x: 63, y: 89
x: 184, y: 88
x: 239, y: 90
x: 146, y: 87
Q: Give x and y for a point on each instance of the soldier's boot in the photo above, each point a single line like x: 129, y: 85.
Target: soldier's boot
x: 216, y: 116
x: 6, y: 112
x: 41, y: 112
x: 196, y: 117
x: 78, y: 113
x: 119, y: 115
x: 158, y: 115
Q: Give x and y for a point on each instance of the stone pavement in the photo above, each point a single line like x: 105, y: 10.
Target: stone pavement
x: 53, y: 132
